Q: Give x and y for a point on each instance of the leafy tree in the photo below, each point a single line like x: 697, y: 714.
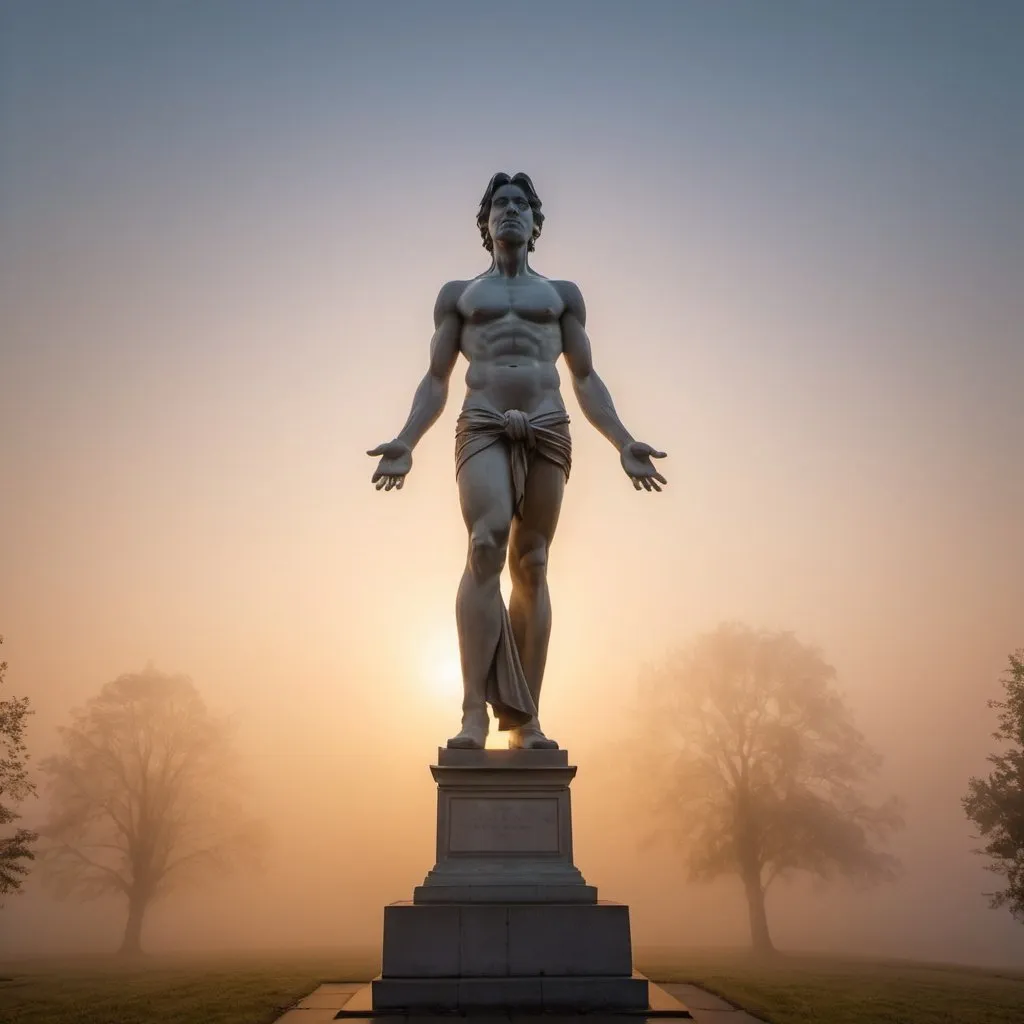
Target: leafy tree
x: 996, y: 805
x: 756, y: 768
x: 144, y: 798
x: 15, y: 786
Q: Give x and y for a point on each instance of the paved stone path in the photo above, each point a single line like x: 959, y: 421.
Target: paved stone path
x: 707, y: 1008
x: 321, y: 1004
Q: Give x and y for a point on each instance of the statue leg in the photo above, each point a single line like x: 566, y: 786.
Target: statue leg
x: 485, y: 494
x: 530, y: 601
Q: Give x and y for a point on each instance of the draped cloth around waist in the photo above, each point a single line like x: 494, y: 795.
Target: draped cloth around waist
x: 544, y: 434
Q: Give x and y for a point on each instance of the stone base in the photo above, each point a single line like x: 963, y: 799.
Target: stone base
x: 513, y: 940
x: 504, y: 893
x: 505, y: 921
x: 359, y: 1006
x: 504, y: 829
x: 578, y: 993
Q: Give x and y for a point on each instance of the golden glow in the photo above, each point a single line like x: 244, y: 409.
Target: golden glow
x: 215, y: 308
x: 442, y: 671
x: 442, y: 675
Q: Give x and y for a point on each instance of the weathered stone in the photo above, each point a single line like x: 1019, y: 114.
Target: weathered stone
x: 421, y: 945
x: 449, y: 757
x: 504, y: 824
x: 660, y: 1005
x: 504, y: 829
x: 541, y: 993
x: 505, y: 919
x: 483, y: 940
x: 509, y: 940
x: 553, y: 939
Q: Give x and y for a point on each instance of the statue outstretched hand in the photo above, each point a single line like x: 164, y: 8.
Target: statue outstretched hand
x: 395, y: 462
x: 636, y: 461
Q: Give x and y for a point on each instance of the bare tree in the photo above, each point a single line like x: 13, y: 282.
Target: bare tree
x: 144, y: 797
x: 995, y: 804
x: 15, y: 786
x: 756, y: 768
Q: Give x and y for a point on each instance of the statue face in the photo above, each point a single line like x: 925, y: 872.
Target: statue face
x: 511, y: 218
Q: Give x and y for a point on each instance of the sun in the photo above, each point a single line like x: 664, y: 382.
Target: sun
x: 442, y: 674
x: 443, y: 671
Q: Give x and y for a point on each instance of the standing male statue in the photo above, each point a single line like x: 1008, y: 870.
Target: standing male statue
x: 512, y: 454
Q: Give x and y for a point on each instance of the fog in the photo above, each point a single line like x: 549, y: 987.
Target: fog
x: 801, y: 243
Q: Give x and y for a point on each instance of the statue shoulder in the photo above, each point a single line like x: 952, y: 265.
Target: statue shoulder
x: 573, y: 298
x: 448, y: 299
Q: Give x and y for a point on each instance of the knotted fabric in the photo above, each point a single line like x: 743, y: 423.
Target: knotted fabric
x: 543, y: 434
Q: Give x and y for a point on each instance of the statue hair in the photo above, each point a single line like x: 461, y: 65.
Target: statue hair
x: 522, y: 181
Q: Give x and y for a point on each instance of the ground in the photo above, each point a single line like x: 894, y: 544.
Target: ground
x: 168, y: 989
x: 257, y: 989
x: 828, y: 990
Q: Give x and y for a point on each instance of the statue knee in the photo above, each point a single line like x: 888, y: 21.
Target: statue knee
x: 533, y: 567
x: 487, y: 553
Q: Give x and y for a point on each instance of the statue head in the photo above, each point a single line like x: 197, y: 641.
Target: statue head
x: 510, y: 209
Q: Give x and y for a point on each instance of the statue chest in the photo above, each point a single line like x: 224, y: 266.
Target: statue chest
x: 493, y: 299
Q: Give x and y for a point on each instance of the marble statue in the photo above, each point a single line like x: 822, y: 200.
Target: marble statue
x: 512, y: 454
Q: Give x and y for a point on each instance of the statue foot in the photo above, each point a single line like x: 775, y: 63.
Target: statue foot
x: 473, y: 735
x: 530, y: 737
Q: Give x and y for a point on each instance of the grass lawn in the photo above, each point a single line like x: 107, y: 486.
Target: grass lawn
x: 805, y: 989
x: 245, y: 989
x: 255, y: 989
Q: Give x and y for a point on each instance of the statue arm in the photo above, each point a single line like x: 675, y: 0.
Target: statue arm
x: 432, y: 394
x: 593, y: 396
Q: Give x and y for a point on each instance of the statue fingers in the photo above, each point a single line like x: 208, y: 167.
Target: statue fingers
x: 636, y: 482
x: 646, y: 482
x: 658, y: 455
x: 379, y: 450
x: 381, y: 482
x: 654, y: 485
x: 659, y: 478
x: 400, y: 483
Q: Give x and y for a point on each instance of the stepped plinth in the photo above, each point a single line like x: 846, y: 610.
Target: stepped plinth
x: 505, y: 919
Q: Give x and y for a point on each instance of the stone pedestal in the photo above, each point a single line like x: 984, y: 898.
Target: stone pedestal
x: 504, y: 918
x: 504, y: 829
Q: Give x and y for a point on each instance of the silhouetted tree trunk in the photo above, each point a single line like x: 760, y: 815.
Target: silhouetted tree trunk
x: 760, y: 938
x: 131, y: 945
x: 748, y: 845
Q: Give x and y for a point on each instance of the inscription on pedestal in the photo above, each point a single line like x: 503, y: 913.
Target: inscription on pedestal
x: 503, y: 825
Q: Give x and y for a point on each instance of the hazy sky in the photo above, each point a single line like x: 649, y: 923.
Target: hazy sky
x: 799, y: 230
